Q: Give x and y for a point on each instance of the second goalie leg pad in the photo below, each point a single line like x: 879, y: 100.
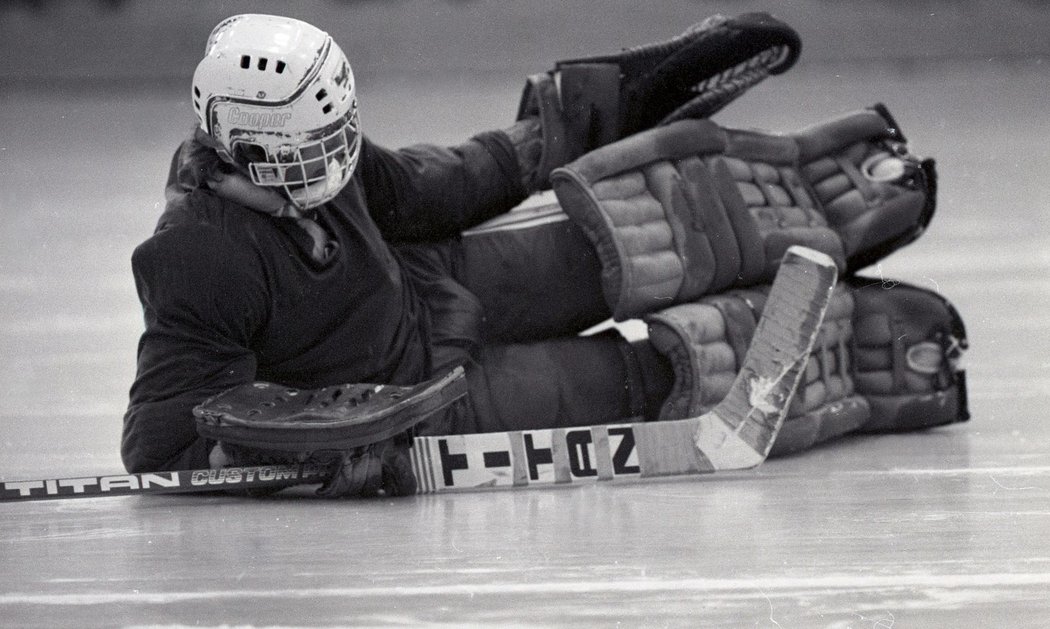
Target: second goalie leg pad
x: 698, y: 339
x: 886, y: 360
x: 908, y: 345
x: 706, y: 342
x: 827, y: 404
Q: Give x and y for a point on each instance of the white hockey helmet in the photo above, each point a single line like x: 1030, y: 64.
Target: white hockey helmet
x: 279, y: 95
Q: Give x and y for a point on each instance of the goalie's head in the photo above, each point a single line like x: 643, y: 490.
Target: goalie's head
x: 278, y: 94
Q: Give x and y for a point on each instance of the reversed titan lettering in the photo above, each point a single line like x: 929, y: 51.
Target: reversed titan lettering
x: 522, y: 458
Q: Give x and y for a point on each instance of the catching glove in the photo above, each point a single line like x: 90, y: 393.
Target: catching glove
x: 589, y: 102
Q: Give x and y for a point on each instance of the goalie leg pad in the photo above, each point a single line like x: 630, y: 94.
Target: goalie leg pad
x: 706, y: 342
x: 826, y: 404
x: 695, y: 339
x: 885, y: 360
x: 691, y: 209
x: 908, y: 346
x: 875, y: 193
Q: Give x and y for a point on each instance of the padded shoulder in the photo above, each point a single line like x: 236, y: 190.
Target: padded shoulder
x: 193, y: 272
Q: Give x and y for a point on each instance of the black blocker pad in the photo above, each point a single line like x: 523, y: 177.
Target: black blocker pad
x: 275, y: 417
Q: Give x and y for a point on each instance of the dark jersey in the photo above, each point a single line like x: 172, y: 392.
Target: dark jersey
x: 231, y: 295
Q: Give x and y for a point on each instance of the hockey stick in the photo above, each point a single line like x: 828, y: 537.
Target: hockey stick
x: 737, y: 434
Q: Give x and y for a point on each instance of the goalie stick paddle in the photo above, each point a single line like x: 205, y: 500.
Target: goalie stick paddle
x: 737, y: 434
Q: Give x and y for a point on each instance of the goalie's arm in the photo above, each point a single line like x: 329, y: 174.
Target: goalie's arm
x: 426, y: 192
x: 199, y: 314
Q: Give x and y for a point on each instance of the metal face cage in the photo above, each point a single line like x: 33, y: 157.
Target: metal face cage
x: 311, y: 172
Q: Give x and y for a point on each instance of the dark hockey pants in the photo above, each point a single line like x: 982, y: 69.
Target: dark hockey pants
x: 531, y: 283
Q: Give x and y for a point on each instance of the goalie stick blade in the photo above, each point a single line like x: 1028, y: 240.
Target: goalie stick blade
x: 274, y: 417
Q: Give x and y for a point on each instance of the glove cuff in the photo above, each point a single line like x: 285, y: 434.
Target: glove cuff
x: 527, y: 139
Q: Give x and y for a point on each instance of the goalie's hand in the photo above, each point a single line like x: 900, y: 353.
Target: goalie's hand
x: 218, y: 459
x: 382, y: 468
x: 379, y: 469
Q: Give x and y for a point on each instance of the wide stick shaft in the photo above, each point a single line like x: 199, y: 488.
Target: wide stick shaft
x: 183, y: 481
x: 441, y: 464
x: 558, y: 456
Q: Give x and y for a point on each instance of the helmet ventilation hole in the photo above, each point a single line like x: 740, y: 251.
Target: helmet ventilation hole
x: 321, y: 95
x: 261, y: 64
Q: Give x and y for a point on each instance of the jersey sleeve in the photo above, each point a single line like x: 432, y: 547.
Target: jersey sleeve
x: 201, y: 303
x: 425, y: 192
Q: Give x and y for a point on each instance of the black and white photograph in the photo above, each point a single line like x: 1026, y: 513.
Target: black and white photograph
x: 481, y: 313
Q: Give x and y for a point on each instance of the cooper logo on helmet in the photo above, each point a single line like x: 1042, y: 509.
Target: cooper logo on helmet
x: 257, y: 119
